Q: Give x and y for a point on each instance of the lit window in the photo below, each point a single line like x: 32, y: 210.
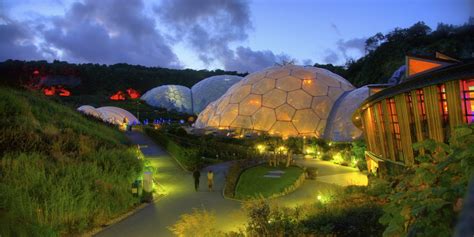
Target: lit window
x: 468, y: 100
x: 395, y: 127
x: 443, y: 102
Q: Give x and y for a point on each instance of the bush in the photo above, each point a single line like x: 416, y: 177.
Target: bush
x: 425, y: 198
x: 357, y: 220
x: 312, y: 172
x: 199, y: 223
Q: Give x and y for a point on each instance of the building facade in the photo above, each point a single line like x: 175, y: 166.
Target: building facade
x: 436, y: 96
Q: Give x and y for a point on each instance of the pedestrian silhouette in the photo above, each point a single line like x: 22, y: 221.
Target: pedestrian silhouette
x: 210, y: 179
x: 196, y: 176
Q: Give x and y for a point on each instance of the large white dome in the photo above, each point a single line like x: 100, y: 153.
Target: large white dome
x: 170, y: 97
x: 210, y: 89
x: 284, y: 100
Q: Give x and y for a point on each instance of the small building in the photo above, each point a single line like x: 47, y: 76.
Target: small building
x: 436, y: 95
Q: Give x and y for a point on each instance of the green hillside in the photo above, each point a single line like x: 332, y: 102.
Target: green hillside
x: 60, y: 172
x: 385, y: 53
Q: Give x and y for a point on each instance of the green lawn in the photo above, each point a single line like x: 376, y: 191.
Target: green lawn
x: 252, y: 183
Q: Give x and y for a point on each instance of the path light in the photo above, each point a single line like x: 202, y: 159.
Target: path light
x: 319, y: 197
x: 261, y: 148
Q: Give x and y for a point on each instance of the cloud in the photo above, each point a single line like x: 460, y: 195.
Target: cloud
x: 245, y: 59
x: 105, y: 31
x: 331, y: 57
x: 357, y: 44
x: 336, y: 29
x: 16, y: 41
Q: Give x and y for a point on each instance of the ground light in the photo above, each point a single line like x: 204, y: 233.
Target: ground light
x: 261, y: 148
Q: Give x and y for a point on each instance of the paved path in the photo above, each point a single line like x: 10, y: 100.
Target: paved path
x: 181, y: 198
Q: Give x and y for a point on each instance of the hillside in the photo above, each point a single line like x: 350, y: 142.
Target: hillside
x: 386, y: 52
x: 96, y: 79
x: 61, y: 173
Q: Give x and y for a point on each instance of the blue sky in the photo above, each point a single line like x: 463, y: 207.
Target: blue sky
x: 207, y: 34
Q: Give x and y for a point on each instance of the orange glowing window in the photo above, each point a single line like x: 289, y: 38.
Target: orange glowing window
x: 416, y: 66
x: 443, y: 102
x: 254, y: 102
x: 467, y: 94
x: 133, y: 94
x: 64, y: 92
x: 49, y: 91
x: 307, y: 81
x: 118, y: 96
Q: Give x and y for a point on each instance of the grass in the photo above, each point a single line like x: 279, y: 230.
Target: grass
x: 61, y: 173
x: 252, y: 183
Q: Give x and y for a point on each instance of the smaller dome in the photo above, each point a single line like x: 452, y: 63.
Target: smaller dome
x: 170, y: 97
x: 210, y: 89
x: 340, y: 126
x: 109, y: 114
x: 89, y: 110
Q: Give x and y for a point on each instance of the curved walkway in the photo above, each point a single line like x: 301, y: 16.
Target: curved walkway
x: 181, y: 198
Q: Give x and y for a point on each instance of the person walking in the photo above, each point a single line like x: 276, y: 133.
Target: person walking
x: 196, y: 176
x: 210, y: 180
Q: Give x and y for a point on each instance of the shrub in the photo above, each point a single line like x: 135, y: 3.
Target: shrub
x: 354, y: 220
x: 199, y: 223
x: 312, y: 172
x: 425, y: 197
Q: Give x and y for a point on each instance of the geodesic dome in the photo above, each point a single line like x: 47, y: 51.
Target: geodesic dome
x: 170, y: 97
x: 284, y: 100
x: 210, y: 89
x: 340, y: 126
x: 109, y: 114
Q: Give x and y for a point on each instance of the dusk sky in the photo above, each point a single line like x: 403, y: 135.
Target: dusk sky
x: 208, y: 34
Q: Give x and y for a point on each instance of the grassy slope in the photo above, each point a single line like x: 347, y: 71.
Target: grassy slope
x: 60, y: 173
x: 252, y: 183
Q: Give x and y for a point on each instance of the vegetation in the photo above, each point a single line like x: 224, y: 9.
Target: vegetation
x: 385, y: 53
x: 192, y: 224
x: 252, y: 183
x: 60, y: 173
x: 427, y: 198
x: 102, y: 80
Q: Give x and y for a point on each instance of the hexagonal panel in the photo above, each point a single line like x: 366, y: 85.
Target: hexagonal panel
x: 305, y: 121
x: 315, y: 87
x: 299, y: 99
x: 321, y: 126
x: 285, y: 112
x: 214, y: 121
x: 263, y: 119
x: 303, y: 73
x: 250, y: 104
x: 254, y: 77
x: 334, y: 92
x: 263, y: 86
x: 224, y: 101
x: 347, y: 87
x: 277, y: 72
x: 285, y: 129
x: 288, y: 83
x: 240, y: 93
x: 229, y: 114
x: 274, y: 98
x: 322, y: 106
x: 328, y: 80
x: 242, y: 122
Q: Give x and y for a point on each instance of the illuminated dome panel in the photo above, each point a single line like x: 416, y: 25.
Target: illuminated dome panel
x: 170, y: 97
x: 210, y: 89
x: 284, y: 100
x: 340, y: 126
